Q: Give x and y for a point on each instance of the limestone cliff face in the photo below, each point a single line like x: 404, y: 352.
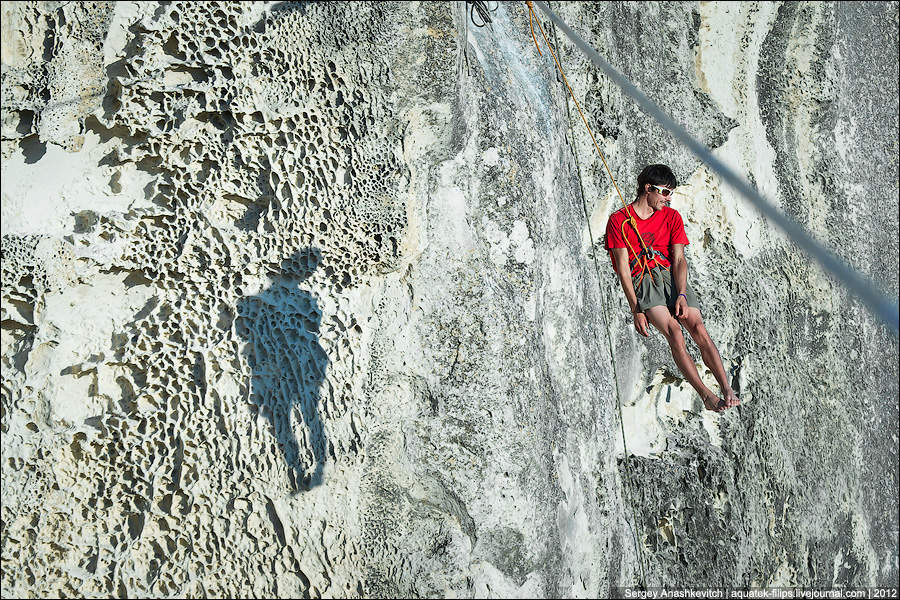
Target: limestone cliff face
x: 300, y: 299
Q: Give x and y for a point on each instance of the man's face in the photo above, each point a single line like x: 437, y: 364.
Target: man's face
x: 658, y: 196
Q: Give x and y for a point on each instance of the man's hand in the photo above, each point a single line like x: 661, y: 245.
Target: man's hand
x: 681, y: 306
x: 640, y: 323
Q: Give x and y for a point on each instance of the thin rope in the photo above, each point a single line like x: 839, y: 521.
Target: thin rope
x: 643, y: 257
x: 856, y: 284
x: 629, y: 487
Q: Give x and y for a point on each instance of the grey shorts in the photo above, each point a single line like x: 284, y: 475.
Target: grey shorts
x: 659, y: 291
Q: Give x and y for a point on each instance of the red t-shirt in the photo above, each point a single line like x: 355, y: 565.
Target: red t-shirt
x: 664, y: 227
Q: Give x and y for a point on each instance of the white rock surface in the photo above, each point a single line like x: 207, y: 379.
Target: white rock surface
x: 298, y: 299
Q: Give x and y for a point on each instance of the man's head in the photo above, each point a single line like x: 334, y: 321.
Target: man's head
x: 657, y: 182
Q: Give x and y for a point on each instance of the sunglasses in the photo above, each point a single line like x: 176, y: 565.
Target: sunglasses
x: 664, y: 192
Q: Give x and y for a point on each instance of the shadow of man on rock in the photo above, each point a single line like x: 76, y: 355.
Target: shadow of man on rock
x: 281, y: 327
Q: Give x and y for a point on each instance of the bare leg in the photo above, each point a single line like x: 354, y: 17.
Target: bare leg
x: 660, y: 318
x: 694, y: 323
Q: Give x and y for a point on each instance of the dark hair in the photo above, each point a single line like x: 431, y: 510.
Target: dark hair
x: 656, y: 175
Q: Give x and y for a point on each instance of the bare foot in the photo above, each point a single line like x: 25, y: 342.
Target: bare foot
x: 713, y: 403
x: 731, y: 399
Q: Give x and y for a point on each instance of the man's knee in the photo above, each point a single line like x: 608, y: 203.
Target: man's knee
x: 671, y: 329
x: 665, y: 323
x: 693, y: 322
x: 675, y: 338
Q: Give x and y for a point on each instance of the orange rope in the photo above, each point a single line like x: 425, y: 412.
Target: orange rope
x: 643, y: 258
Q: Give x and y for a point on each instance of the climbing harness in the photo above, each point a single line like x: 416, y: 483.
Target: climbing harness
x: 644, y: 257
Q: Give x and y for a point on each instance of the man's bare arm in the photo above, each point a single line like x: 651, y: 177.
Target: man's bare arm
x: 620, y: 256
x: 679, y: 276
x: 679, y: 267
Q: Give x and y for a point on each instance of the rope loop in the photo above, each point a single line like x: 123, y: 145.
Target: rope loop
x: 483, y: 10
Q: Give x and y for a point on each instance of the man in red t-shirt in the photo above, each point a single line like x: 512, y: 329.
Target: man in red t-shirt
x: 652, y: 269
